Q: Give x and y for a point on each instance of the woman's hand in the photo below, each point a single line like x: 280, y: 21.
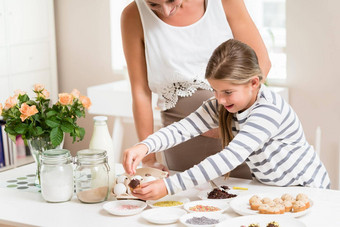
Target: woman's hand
x: 152, y: 190
x: 132, y: 157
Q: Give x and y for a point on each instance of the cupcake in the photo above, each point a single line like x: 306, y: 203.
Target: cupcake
x: 134, y: 183
x: 267, y: 200
x: 287, y: 197
x: 288, y: 205
x: 299, y: 206
x: 255, y: 205
x: 253, y: 199
x: 263, y: 209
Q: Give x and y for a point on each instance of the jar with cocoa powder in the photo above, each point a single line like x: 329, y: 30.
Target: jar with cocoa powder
x: 92, y: 176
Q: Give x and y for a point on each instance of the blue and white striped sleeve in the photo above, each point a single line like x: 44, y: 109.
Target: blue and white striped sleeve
x: 198, y: 122
x: 258, y: 128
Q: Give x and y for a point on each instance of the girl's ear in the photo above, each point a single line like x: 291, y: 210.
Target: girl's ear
x: 255, y: 82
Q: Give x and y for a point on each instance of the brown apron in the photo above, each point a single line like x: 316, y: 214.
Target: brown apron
x: 193, y: 151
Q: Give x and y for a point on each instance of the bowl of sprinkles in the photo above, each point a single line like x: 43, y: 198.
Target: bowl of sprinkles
x: 202, y: 219
x: 217, y: 206
x: 168, y: 201
x: 124, y: 207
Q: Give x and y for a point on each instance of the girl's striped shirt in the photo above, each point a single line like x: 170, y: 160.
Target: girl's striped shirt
x: 268, y: 137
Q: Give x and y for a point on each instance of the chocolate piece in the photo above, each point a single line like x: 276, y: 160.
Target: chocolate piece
x: 219, y: 194
x: 273, y: 224
x: 225, y: 187
x: 134, y: 183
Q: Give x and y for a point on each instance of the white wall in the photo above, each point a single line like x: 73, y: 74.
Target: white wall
x: 313, y: 48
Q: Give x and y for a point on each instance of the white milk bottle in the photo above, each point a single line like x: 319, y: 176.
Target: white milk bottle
x: 102, y: 140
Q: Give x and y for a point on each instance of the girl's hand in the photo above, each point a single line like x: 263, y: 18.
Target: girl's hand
x: 132, y: 157
x: 152, y: 190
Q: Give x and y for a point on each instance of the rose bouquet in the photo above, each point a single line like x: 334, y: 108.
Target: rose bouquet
x: 32, y: 118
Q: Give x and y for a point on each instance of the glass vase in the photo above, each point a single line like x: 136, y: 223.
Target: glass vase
x: 37, y: 145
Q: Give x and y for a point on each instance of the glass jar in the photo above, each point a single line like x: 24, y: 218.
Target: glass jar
x: 56, y: 175
x: 92, y: 176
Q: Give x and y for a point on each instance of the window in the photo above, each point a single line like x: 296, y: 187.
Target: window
x: 270, y: 18
x: 268, y: 15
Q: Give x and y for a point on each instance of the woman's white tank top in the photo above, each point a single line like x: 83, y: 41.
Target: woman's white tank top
x: 176, y: 57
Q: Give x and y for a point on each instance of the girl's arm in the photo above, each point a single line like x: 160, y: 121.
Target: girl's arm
x: 257, y: 130
x: 244, y: 29
x: 197, y: 123
x: 133, y: 46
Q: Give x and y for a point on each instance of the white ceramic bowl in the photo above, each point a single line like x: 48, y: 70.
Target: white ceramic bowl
x: 164, y: 215
x: 119, y: 207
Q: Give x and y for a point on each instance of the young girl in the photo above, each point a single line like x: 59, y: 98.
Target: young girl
x: 256, y: 125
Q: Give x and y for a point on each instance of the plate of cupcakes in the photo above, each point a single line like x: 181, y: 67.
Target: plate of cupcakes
x: 273, y: 204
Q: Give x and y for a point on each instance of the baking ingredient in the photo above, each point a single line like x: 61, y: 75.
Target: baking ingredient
x: 168, y: 203
x: 202, y: 221
x: 201, y: 208
x: 138, y: 177
x: 220, y: 194
x: 102, y: 140
x: 128, y: 207
x: 94, y: 195
x: 239, y: 188
x: 148, y: 179
x: 119, y: 189
x: 121, y: 179
x: 56, y: 185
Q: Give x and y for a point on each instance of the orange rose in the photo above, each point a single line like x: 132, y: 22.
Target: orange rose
x: 85, y: 101
x: 45, y: 94
x: 19, y: 92
x: 38, y: 87
x: 75, y: 93
x: 10, y: 102
x: 65, y: 99
x: 27, y: 111
x: 0, y: 109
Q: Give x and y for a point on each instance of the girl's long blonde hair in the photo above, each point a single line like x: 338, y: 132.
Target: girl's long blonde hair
x: 237, y: 63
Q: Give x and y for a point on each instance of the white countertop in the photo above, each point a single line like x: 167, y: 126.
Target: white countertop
x: 20, y: 208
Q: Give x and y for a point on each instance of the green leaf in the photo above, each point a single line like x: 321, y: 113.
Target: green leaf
x: 67, y: 127
x: 56, y: 136
x: 20, y: 128
x: 12, y: 137
x: 53, y: 123
x: 51, y: 113
x: 81, y: 133
x: 38, y: 131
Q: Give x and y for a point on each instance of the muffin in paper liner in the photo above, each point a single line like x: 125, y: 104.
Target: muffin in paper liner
x: 143, y: 172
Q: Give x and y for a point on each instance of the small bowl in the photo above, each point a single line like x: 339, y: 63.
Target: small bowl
x: 164, y: 215
x: 181, y: 199
x: 221, y: 204
x: 120, y: 207
x: 211, y: 215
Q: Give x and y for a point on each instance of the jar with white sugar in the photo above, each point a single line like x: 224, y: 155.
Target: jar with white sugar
x: 56, y: 175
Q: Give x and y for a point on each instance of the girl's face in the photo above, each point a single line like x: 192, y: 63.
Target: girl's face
x: 235, y: 97
x: 165, y: 8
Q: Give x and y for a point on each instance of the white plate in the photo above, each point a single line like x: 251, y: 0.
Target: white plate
x: 221, y: 204
x: 211, y: 215
x: 241, y: 206
x: 115, y: 207
x: 262, y: 220
x: 169, y: 198
x: 164, y: 215
x: 204, y: 195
